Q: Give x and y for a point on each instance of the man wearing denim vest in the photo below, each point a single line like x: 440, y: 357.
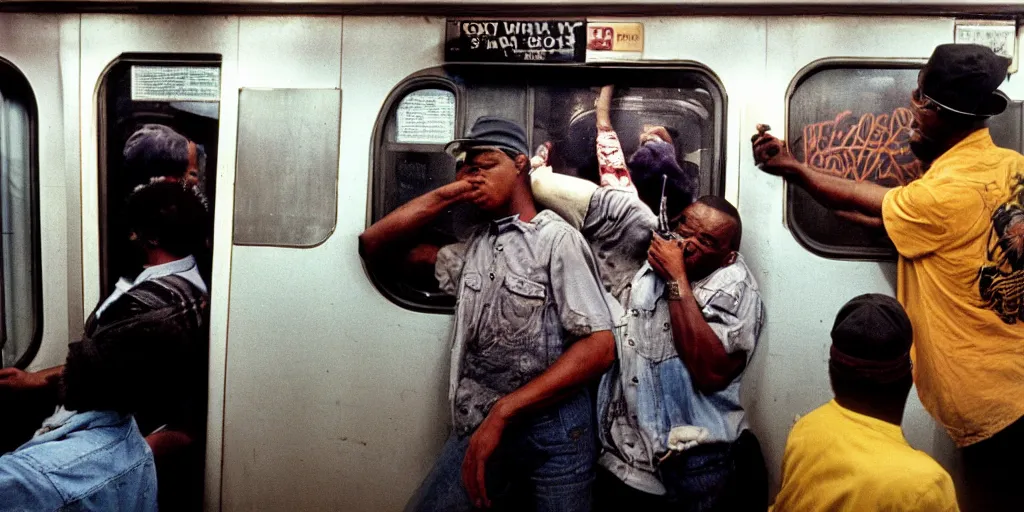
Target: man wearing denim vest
x: 673, y: 432
x: 532, y: 328
x: 124, y: 377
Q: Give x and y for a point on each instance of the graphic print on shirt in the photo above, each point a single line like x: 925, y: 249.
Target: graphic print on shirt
x: 1001, y: 282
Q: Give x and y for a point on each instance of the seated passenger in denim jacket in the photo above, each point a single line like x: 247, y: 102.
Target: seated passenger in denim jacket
x: 138, y: 342
x: 671, y: 425
x: 532, y: 329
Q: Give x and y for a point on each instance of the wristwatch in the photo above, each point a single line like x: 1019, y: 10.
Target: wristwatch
x: 674, y: 293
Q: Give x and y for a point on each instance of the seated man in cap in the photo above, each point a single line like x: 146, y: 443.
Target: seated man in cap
x: 850, y: 454
x: 959, y: 230
x: 532, y: 329
x: 136, y: 346
x: 673, y: 432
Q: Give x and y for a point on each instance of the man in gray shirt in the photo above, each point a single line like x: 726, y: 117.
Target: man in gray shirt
x: 673, y: 432
x: 532, y: 329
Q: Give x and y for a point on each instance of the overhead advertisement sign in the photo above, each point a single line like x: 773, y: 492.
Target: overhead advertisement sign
x: 614, y: 40
x: 502, y: 40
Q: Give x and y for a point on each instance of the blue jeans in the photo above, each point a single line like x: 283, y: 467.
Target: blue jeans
x: 543, y: 463
x: 719, y: 477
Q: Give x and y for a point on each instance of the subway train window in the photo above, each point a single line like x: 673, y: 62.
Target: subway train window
x: 179, y: 94
x: 159, y: 122
x: 554, y: 104
x: 20, y: 289
x: 853, y: 119
x: 286, y: 176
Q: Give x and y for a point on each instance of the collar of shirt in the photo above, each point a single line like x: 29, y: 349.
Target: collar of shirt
x: 648, y: 286
x: 979, y: 140
x: 185, y: 267
x: 165, y: 269
x: 895, y: 432
x: 63, y: 422
x: 646, y: 289
x: 504, y: 224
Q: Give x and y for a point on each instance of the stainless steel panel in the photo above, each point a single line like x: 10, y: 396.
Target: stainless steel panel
x: 286, y: 177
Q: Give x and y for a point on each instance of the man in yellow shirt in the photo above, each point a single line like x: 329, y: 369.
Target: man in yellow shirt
x: 850, y: 454
x: 959, y: 230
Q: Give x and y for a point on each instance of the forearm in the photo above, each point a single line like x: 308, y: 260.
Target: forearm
x: 860, y: 218
x: 698, y: 345
x: 583, y: 362
x: 566, y: 195
x: 603, y: 108
x: 406, y: 220
x: 51, y: 376
x: 167, y: 441
x: 840, y: 193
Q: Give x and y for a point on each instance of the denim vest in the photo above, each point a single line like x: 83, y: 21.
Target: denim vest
x: 649, y: 392
x: 95, y: 460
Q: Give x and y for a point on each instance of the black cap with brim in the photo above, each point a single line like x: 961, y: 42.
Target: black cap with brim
x: 491, y: 132
x: 964, y: 79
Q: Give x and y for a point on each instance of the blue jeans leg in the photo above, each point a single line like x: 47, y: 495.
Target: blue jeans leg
x: 545, y: 463
x: 561, y: 453
x: 698, y: 481
x: 442, y: 490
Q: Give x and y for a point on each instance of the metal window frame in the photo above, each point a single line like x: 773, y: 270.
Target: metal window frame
x: 437, y: 77
x: 102, y: 118
x: 12, y: 78
x: 792, y: 223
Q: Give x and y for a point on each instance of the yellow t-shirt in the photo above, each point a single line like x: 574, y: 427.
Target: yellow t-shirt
x: 839, y: 460
x: 959, y: 230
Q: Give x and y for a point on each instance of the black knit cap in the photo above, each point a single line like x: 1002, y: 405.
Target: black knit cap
x: 871, y: 339
x: 964, y: 78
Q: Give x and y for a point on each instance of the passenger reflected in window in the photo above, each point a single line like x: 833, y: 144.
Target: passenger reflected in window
x: 143, y: 353
x: 850, y: 454
x: 156, y: 151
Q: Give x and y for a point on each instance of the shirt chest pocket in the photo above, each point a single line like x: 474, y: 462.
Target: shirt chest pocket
x: 656, y: 340
x: 515, y: 316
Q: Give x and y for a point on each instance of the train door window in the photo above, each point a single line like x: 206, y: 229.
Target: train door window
x: 555, y: 104
x: 852, y: 119
x: 181, y: 93
x: 20, y: 288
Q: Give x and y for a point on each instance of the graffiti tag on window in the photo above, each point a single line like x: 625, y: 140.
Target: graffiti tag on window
x: 871, y: 147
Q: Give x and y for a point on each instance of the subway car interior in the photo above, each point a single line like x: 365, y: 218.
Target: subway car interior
x: 327, y: 385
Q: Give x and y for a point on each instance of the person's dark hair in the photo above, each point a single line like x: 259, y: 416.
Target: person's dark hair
x: 656, y: 159
x: 169, y: 215
x: 727, y: 208
x: 155, y: 151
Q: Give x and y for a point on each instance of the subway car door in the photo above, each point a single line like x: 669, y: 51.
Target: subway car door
x: 179, y: 72
x: 40, y: 274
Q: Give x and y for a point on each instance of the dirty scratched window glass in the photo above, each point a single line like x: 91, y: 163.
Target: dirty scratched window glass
x: 853, y: 121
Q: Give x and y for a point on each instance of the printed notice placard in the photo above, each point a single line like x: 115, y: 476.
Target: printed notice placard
x: 426, y: 116
x: 175, y: 83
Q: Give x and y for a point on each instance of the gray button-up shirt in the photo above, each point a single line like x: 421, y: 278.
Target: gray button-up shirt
x: 525, y: 291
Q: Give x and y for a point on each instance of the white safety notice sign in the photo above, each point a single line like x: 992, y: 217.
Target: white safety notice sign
x: 426, y: 116
x: 175, y: 83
